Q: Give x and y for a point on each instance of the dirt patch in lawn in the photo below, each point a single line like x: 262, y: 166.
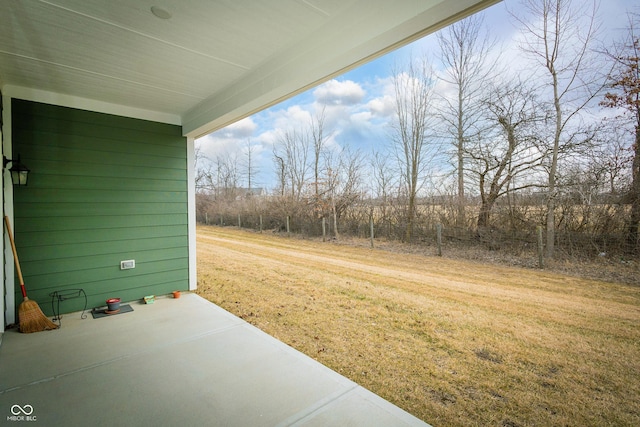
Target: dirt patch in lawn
x: 454, y: 343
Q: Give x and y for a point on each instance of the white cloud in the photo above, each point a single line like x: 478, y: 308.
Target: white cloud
x: 381, y: 103
x: 293, y: 117
x: 240, y: 129
x: 361, y: 117
x: 228, y: 141
x: 382, y: 107
x: 336, y: 92
x: 268, y: 138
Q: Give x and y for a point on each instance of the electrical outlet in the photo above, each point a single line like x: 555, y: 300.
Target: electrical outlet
x: 125, y: 265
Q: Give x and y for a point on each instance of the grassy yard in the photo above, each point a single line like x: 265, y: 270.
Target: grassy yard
x: 455, y: 343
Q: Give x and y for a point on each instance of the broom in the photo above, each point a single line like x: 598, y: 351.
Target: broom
x: 32, y: 319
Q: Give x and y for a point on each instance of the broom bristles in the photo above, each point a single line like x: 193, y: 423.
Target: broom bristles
x: 32, y: 319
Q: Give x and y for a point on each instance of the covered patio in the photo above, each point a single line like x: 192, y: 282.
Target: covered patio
x: 103, y: 101
x: 176, y: 362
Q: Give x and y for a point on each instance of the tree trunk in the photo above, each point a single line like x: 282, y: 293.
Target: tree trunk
x: 485, y: 212
x: 408, y: 235
x: 460, y: 220
x: 634, y: 219
x: 551, y: 221
x: 335, y: 222
x: 483, y: 217
x: 551, y: 201
x: 632, y: 228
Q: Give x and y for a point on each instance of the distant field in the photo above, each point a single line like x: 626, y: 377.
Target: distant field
x: 454, y: 343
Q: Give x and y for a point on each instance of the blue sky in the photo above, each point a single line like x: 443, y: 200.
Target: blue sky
x: 358, y: 105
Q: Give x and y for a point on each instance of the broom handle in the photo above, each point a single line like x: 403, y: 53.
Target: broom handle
x: 15, y: 256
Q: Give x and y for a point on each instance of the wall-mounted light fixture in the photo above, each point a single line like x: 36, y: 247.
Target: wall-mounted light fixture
x: 19, y: 172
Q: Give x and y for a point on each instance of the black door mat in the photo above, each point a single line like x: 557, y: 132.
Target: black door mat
x: 103, y: 312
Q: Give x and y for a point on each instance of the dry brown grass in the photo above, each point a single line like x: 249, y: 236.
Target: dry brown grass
x: 454, y: 343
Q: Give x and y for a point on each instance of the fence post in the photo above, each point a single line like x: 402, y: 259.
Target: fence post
x: 540, y: 248
x: 439, y: 238
x: 371, y: 229
x: 261, y: 223
x: 206, y: 218
x: 239, y: 222
x: 288, y: 225
x: 324, y: 229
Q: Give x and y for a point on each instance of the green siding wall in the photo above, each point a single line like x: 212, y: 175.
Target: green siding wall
x: 102, y: 189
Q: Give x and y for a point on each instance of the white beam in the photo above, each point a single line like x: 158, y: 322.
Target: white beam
x: 7, y: 199
x: 191, y: 197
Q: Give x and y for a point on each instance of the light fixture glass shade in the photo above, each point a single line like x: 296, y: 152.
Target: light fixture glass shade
x: 19, y: 173
x: 19, y: 177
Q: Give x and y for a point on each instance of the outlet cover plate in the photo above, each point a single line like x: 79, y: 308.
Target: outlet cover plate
x: 128, y: 264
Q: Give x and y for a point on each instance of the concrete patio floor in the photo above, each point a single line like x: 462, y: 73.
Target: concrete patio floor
x: 177, y: 362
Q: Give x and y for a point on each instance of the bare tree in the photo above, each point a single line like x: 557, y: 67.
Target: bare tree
x: 382, y: 183
x: 511, y: 150
x: 464, y: 52
x: 281, y: 171
x: 293, y: 151
x: 559, y: 35
x: 611, y: 158
x: 318, y: 142
x: 204, y: 175
x: 250, y: 170
x: 227, y: 175
x: 624, y: 92
x: 413, y: 131
x: 204, y: 184
x: 343, y: 182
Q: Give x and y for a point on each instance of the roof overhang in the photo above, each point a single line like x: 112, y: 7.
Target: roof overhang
x: 211, y: 63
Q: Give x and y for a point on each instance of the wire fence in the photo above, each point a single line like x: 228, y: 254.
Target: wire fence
x: 514, y: 231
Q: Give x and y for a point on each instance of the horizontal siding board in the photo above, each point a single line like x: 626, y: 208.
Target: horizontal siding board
x: 34, y: 209
x: 66, y: 182
x: 147, y: 281
x: 50, y: 223
x: 102, y: 189
x: 76, y: 159
x: 43, y: 146
x: 71, y: 182
x: 92, y: 262
x: 97, y: 170
x: 116, y: 233
x: 116, y: 142
x: 45, y: 195
x: 105, y: 278
x: 91, y: 131
x: 121, y: 248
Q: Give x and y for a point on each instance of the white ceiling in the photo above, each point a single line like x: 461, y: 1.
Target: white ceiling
x: 213, y: 62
